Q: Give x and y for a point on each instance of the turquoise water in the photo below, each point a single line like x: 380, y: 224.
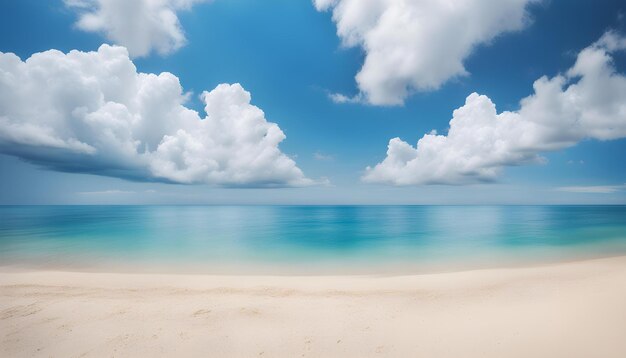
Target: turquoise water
x: 304, y: 239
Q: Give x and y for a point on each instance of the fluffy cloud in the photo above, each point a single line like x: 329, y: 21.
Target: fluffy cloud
x: 92, y: 112
x: 417, y: 45
x: 587, y: 102
x: 140, y: 25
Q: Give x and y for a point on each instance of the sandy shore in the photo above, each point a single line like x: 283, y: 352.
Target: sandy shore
x: 564, y: 310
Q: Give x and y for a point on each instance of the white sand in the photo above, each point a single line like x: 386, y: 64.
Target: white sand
x: 564, y: 310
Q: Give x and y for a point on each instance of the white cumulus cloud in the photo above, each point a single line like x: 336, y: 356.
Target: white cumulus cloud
x: 417, y: 45
x: 142, y: 26
x: 587, y: 102
x: 92, y: 112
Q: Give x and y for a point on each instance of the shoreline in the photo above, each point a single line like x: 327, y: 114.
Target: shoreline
x: 570, y: 309
x: 351, y: 269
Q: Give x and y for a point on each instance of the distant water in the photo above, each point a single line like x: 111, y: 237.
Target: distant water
x: 304, y: 239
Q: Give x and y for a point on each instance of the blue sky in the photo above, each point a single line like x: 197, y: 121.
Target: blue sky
x: 288, y: 55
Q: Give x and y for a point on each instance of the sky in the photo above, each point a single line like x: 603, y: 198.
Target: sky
x: 312, y: 102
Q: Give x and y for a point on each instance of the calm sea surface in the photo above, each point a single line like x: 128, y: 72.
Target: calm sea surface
x: 304, y: 239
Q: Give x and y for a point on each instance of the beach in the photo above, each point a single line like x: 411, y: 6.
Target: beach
x: 568, y: 309
x: 321, y: 178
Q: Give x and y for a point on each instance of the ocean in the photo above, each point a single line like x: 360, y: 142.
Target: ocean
x: 304, y: 239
